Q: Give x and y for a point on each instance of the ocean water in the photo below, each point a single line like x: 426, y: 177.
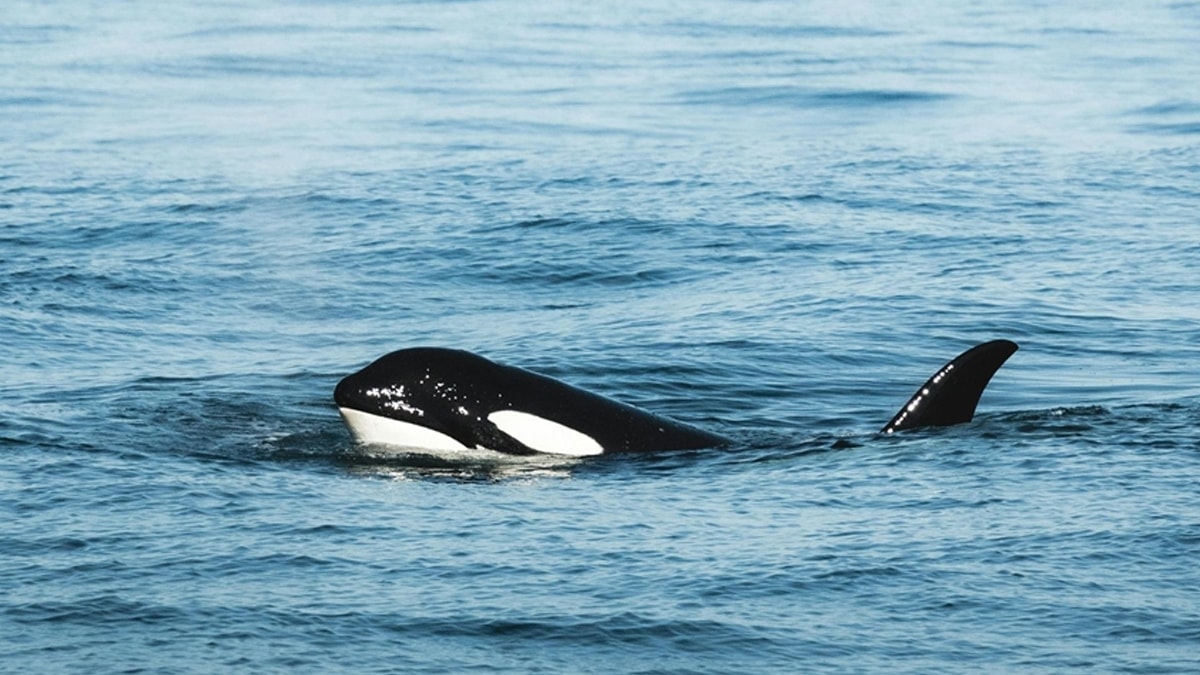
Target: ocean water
x: 770, y: 219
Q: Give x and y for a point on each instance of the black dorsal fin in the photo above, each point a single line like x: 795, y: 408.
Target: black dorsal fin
x: 950, y: 396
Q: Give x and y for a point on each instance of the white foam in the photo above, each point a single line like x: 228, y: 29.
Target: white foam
x: 544, y: 435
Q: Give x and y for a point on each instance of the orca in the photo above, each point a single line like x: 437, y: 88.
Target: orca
x: 448, y: 400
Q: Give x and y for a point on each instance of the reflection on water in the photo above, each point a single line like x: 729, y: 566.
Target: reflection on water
x: 390, y: 462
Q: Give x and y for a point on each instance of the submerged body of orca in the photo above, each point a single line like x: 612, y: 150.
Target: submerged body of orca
x: 450, y: 400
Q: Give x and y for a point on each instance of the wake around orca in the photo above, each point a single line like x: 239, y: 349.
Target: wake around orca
x: 448, y: 400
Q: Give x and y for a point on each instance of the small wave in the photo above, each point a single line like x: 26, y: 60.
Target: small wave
x: 102, y: 610
x: 1173, y: 117
x: 1170, y: 107
x: 1167, y: 129
x: 626, y: 628
x: 474, y: 466
x: 782, y: 30
x: 802, y: 97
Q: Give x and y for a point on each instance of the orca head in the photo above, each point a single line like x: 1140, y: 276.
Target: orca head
x: 413, y: 398
x: 451, y: 400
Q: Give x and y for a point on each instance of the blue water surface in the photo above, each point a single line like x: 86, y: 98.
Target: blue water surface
x: 770, y: 219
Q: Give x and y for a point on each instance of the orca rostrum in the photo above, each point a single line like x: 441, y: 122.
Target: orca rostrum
x: 430, y: 398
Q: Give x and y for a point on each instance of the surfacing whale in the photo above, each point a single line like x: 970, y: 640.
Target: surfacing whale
x: 430, y: 398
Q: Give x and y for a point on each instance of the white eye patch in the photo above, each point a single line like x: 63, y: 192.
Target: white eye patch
x: 544, y: 435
